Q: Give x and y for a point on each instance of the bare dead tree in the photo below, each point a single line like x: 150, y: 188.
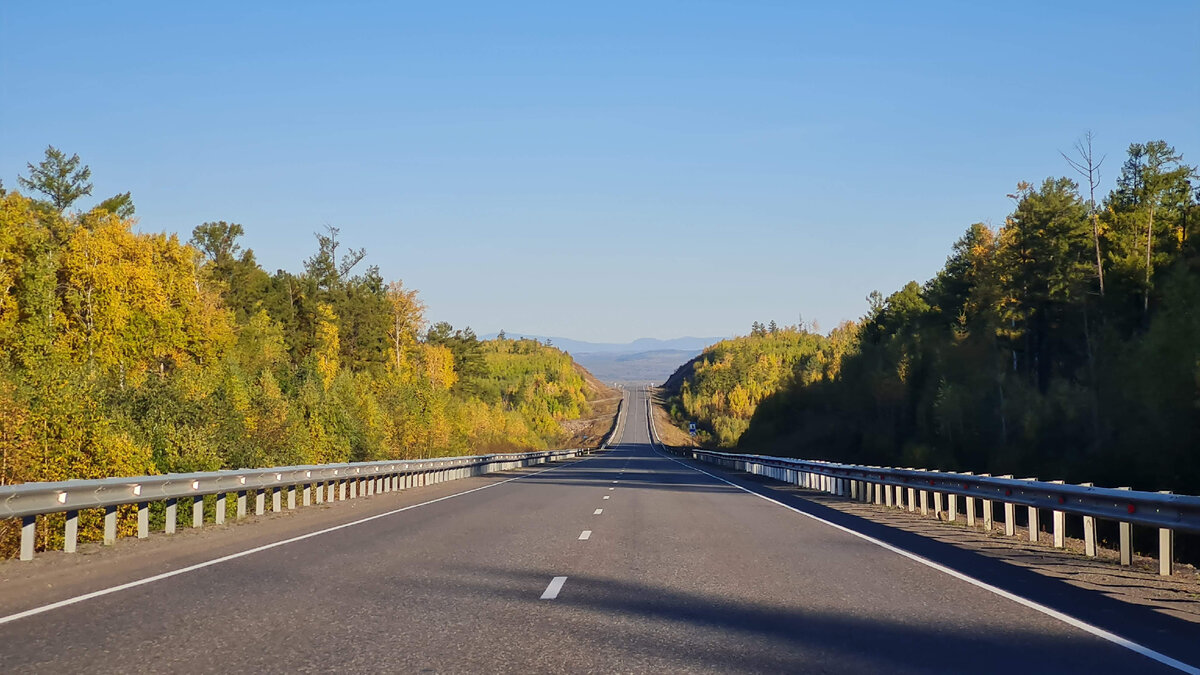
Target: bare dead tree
x: 1085, y: 164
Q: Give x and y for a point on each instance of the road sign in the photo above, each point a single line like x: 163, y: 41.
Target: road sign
x: 692, y: 428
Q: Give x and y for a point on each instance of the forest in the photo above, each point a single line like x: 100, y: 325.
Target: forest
x: 124, y: 352
x: 1064, y: 344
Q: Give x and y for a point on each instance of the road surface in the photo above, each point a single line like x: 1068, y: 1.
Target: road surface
x: 625, y: 561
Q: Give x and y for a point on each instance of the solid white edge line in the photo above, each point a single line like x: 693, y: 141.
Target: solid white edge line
x: 257, y: 549
x: 585, y: 535
x: 552, y: 590
x: 1065, y: 618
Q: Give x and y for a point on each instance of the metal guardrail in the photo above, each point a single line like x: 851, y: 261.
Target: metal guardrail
x: 323, y: 482
x: 912, y: 489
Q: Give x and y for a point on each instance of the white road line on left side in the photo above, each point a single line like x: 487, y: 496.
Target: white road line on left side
x: 257, y: 549
x: 597, y: 512
x: 555, y: 586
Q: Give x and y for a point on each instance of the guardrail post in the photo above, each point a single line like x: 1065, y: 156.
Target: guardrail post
x: 291, y: 497
x: 110, y: 525
x: 1035, y: 525
x: 1126, y: 539
x: 71, y: 532
x: 888, y: 495
x: 241, y: 504
x: 1089, y: 532
x: 353, y: 488
x: 1060, y: 524
x: 260, y: 501
x: 143, y: 509
x: 197, y: 511
x: 172, y: 508
x: 276, y: 499
x: 1010, y: 516
x: 952, y: 507
x: 219, y: 517
x: 28, y: 535
x: 1166, y: 548
x: 307, y: 501
x: 924, y: 502
x: 912, y: 499
x: 970, y: 504
x: 878, y: 489
x: 939, y: 502
x: 989, y: 512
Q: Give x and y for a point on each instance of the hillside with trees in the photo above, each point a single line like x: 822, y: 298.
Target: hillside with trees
x: 722, y: 387
x: 129, y: 353
x: 1063, y: 344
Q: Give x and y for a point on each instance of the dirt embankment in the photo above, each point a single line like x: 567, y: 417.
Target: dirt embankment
x: 588, y: 432
x: 667, y: 431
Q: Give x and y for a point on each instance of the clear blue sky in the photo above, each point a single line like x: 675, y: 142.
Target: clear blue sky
x: 605, y: 172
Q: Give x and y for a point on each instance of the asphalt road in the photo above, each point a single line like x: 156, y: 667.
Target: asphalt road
x: 666, y: 569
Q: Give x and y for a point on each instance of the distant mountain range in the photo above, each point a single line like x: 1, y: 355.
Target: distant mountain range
x: 643, y: 360
x: 577, y: 347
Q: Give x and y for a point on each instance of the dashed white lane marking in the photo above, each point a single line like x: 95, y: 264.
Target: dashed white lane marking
x: 597, y: 512
x: 555, y: 586
x: 585, y: 535
x: 616, y: 481
x: 606, y: 496
x: 612, y: 488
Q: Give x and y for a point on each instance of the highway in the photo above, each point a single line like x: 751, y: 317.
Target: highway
x: 626, y: 561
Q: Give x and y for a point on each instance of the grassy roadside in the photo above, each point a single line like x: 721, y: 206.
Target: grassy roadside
x: 668, y: 429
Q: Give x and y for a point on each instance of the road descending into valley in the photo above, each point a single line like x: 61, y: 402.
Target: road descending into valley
x: 628, y: 560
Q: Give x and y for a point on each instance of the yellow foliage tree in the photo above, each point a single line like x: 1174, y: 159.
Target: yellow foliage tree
x: 327, y: 345
x: 439, y: 365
